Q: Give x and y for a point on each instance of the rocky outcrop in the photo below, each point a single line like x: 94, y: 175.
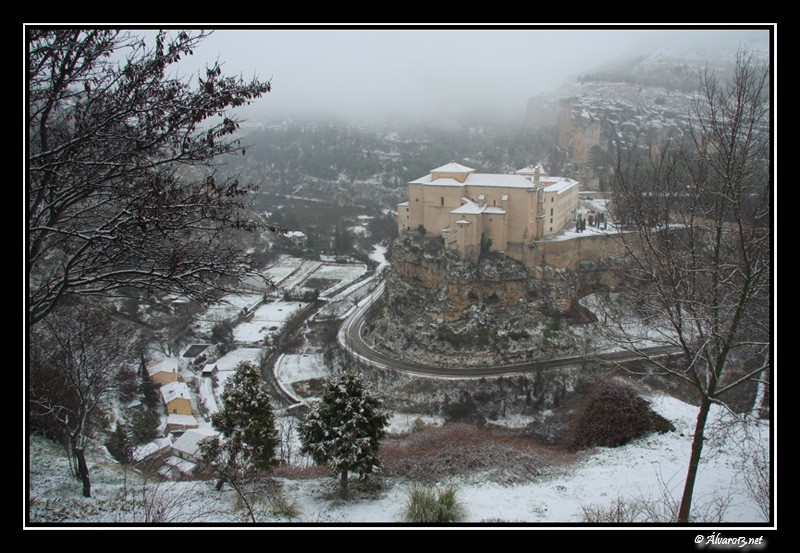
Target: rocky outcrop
x: 451, y: 284
x: 607, y: 114
x: 438, y: 308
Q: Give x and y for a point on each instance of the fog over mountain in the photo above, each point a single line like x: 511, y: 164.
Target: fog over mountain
x: 437, y: 72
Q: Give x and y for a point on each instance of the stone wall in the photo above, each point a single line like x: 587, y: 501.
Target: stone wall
x: 566, y: 254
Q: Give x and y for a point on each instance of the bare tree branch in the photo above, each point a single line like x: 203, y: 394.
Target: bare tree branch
x: 695, y: 224
x: 122, y: 186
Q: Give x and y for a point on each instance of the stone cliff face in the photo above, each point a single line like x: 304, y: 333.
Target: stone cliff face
x: 442, y: 309
x: 452, y: 284
x: 603, y: 114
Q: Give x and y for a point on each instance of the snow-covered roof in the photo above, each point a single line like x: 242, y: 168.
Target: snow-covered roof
x: 189, y: 442
x: 471, y: 208
x: 295, y: 234
x: 462, y: 222
x: 428, y: 179
x: 176, y: 419
x: 208, y: 368
x: 175, y: 466
x: 452, y: 167
x: 558, y: 184
x: 479, y: 179
x: 468, y: 208
x: 500, y: 180
x: 531, y: 170
x: 168, y: 365
x: 403, y: 204
x: 174, y: 390
x: 151, y: 448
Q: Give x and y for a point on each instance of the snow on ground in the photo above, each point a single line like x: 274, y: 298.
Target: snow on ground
x: 229, y: 307
x: 226, y: 365
x: 343, y: 273
x: 268, y: 319
x: 285, y: 266
x: 206, y: 395
x: 626, y: 328
x: 379, y: 254
x: 291, y: 368
x: 358, y: 230
x: 401, y: 423
x: 585, y: 208
x: 636, y: 471
x: 298, y: 276
x: 639, y: 470
x: 344, y: 300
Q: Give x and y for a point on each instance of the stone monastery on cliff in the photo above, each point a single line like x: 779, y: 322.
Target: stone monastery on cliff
x: 468, y: 209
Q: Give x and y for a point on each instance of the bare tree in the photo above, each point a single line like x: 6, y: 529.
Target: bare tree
x: 121, y: 184
x: 75, y: 357
x: 697, y: 241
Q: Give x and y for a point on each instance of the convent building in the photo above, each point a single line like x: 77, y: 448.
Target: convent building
x: 506, y: 213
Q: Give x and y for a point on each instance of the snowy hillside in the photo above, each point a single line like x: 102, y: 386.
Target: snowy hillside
x: 563, y: 493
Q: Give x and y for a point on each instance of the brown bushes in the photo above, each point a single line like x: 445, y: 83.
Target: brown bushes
x: 612, y: 414
x: 434, y: 453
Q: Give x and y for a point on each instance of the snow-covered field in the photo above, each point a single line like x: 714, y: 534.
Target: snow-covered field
x: 226, y: 365
x: 267, y: 320
x: 291, y: 368
x: 299, y: 275
x: 285, y: 266
x: 343, y: 273
x: 229, y: 307
x: 641, y: 470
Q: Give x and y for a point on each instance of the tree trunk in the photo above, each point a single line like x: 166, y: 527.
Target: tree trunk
x: 343, y: 484
x: 83, y: 471
x: 694, y: 460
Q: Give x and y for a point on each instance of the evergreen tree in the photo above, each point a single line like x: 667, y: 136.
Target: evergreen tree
x: 246, y: 423
x: 119, y: 445
x: 345, y: 428
x: 150, y: 394
x: 144, y: 426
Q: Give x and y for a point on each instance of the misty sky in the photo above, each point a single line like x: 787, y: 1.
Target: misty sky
x: 353, y: 72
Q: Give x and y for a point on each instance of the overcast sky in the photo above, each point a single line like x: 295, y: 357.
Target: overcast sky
x: 402, y: 71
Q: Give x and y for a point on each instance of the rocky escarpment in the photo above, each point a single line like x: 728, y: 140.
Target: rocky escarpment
x: 642, y: 102
x: 439, y: 308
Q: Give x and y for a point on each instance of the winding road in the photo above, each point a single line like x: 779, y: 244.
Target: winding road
x: 350, y: 339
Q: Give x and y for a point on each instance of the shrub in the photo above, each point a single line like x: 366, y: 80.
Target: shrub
x: 621, y: 511
x: 612, y: 414
x: 431, y: 506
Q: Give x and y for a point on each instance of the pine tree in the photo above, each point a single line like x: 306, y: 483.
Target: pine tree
x: 345, y: 428
x: 119, y: 445
x: 248, y: 438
